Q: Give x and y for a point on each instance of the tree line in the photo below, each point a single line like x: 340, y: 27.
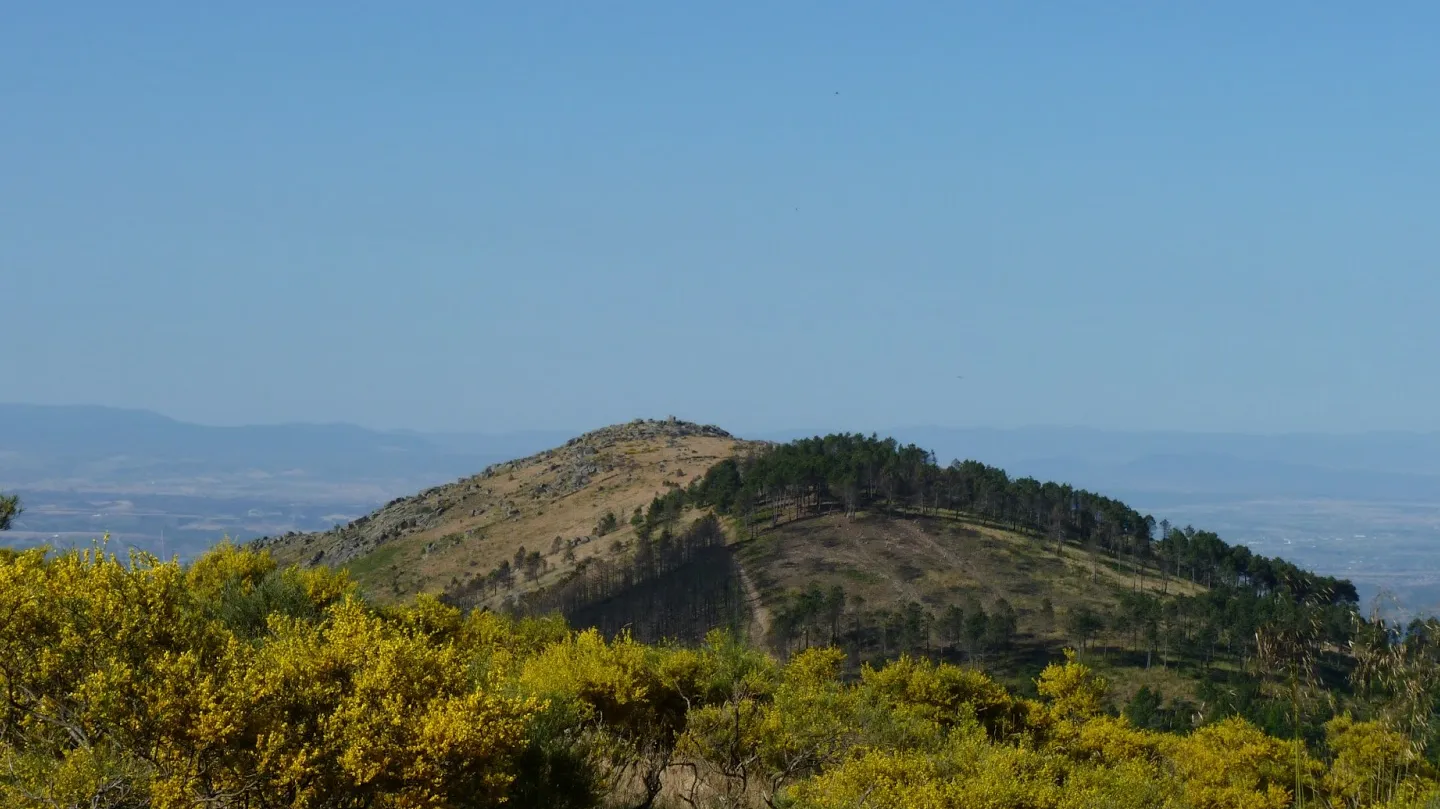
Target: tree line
x: 664, y: 584
x: 670, y: 586
x: 849, y: 473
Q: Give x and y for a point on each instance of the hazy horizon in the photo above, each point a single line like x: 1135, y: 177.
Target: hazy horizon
x: 765, y: 430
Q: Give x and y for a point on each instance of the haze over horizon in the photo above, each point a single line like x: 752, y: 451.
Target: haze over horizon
x: 764, y: 432
x: 477, y: 219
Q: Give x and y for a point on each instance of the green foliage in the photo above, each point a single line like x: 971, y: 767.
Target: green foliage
x: 977, y: 626
x: 670, y: 586
x: 810, y: 616
x: 1082, y: 623
x: 234, y: 683
x: 1047, y: 613
x: 246, y: 607
x: 952, y: 625
x: 608, y: 523
x: 720, y: 487
x: 1143, y: 709
x: 1000, y: 628
x: 9, y: 510
x: 851, y: 472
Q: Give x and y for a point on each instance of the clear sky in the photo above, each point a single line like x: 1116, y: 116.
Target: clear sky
x: 488, y: 216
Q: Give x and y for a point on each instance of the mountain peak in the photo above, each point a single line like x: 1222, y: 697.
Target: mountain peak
x: 550, y: 500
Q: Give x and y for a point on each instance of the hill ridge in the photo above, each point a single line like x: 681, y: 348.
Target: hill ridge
x: 636, y: 430
x: 621, y: 467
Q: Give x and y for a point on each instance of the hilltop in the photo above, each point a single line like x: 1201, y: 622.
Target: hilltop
x: 541, y: 512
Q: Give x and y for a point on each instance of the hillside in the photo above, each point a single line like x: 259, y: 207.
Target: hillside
x: 553, y: 503
x: 948, y: 565
x: 668, y: 529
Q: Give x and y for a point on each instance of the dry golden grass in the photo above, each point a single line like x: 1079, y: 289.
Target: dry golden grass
x: 888, y: 561
x: 526, y: 504
x: 637, y: 472
x: 1170, y: 683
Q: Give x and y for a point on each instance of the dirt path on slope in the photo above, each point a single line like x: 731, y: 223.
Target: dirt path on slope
x: 760, y: 615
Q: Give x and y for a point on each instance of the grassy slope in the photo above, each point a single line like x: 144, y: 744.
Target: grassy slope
x: 487, y: 518
x: 938, y: 561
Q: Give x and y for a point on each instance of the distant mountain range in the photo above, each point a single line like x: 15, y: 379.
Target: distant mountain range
x: 164, y: 485
x: 74, y: 446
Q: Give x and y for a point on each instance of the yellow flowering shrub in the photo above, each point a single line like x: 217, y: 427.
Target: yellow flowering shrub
x: 236, y: 684
x: 1234, y: 765
x: 941, y: 693
x: 616, y: 680
x: 226, y: 565
x: 360, y: 706
x: 881, y: 779
x: 1112, y: 740
x: 974, y: 773
x: 1073, y: 691
x: 127, y: 686
x: 1373, y: 765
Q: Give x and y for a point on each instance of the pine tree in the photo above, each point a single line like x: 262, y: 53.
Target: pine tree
x: 9, y: 510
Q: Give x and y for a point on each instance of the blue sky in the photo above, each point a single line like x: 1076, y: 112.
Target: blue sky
x: 492, y: 217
